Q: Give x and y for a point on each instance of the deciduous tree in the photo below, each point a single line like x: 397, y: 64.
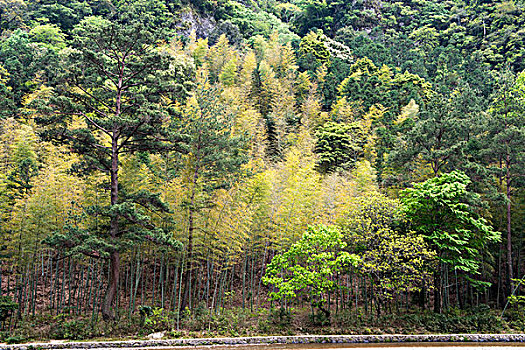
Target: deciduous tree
x: 442, y: 209
x: 307, y: 268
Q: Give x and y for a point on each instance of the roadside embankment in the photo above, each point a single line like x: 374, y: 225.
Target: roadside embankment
x: 303, y: 339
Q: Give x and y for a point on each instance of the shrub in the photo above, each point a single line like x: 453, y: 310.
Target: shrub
x: 7, y: 306
x: 72, y: 329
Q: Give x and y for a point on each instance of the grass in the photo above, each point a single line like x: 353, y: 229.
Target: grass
x: 237, y: 322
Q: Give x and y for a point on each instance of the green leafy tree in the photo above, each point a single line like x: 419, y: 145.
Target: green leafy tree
x: 396, y: 260
x: 442, y: 210
x: 12, y: 13
x: 49, y: 35
x: 370, y: 85
x: 6, y: 98
x: 27, y: 63
x: 328, y: 15
x: 64, y: 14
x: 313, y: 51
x: 229, y: 29
x: 252, y: 22
x: 340, y: 145
x: 307, y: 268
x: 112, y: 99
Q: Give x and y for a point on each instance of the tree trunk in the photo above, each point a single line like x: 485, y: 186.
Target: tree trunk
x: 437, y: 291
x: 111, y: 292
x: 114, y: 259
x: 509, y: 231
x: 189, y: 251
x: 325, y: 311
x: 189, y: 259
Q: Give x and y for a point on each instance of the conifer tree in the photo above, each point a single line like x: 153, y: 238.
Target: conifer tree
x: 113, y: 99
x: 437, y: 137
x: 6, y: 101
x: 212, y: 158
x: 504, y: 148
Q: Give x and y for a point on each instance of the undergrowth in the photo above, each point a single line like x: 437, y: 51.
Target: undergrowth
x: 235, y: 322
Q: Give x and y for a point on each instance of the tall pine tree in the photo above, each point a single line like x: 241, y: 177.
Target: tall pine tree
x: 213, y: 156
x: 504, y: 148
x: 113, y: 98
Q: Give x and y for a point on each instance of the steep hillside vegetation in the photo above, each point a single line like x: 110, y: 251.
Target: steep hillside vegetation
x: 260, y: 167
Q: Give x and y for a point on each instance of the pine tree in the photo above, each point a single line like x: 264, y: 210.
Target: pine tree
x: 113, y: 99
x: 438, y: 135
x: 6, y: 100
x: 212, y: 160
x: 504, y: 148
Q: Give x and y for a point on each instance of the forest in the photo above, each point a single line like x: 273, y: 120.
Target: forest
x: 252, y: 167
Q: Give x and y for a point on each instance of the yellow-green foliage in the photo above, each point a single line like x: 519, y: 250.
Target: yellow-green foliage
x: 308, y: 267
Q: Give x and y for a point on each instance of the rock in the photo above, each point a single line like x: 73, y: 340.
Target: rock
x: 190, y: 21
x: 157, y: 335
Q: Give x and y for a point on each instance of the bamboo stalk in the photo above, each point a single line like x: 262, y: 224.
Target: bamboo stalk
x: 154, y: 277
x: 91, y: 299
x: 180, y: 291
x: 263, y: 266
x: 213, y: 300
x: 131, y: 280
x: 96, y: 301
x: 137, y: 280
x: 161, y: 280
x: 83, y: 290
x: 220, y: 301
x: 244, y: 280
x: 174, y: 292
x: 71, y: 270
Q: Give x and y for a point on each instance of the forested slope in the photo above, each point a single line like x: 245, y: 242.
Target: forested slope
x: 232, y: 167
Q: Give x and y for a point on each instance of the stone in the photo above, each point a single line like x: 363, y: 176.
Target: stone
x: 157, y: 335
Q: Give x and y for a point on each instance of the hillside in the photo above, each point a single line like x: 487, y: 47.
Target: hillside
x: 260, y: 167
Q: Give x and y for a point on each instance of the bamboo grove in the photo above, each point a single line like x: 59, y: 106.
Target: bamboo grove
x: 150, y: 173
